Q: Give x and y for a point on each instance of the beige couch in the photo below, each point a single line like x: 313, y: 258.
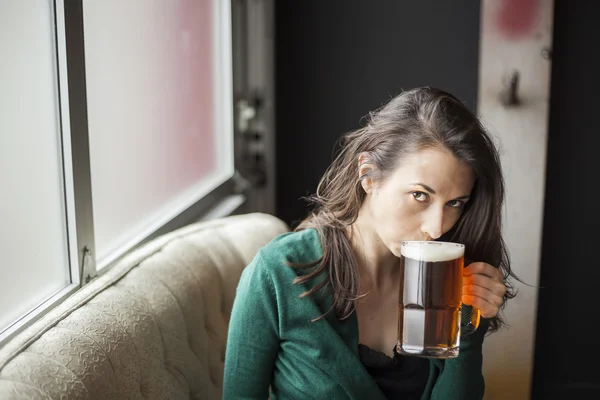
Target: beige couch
x: 153, y: 327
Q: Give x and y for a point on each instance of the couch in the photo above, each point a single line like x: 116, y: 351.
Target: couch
x: 152, y: 327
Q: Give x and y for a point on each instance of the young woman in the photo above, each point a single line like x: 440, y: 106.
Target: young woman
x: 315, y: 315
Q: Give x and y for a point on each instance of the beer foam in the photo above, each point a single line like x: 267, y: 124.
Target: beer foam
x: 432, y: 251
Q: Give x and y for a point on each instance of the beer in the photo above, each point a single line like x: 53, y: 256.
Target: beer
x: 429, y: 308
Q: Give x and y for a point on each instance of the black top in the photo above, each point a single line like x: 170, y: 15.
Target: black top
x: 401, y: 377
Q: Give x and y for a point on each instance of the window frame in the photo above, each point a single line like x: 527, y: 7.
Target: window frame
x: 225, y: 199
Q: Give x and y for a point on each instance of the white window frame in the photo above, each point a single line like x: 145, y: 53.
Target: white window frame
x: 70, y: 59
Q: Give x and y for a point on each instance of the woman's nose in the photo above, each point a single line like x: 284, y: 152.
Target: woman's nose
x: 433, y: 224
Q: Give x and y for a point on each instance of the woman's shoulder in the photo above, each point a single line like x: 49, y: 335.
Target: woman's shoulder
x: 274, y: 263
x: 278, y: 257
x: 299, y: 247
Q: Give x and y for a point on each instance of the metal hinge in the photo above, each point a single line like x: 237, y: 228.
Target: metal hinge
x: 252, y: 157
x: 88, y: 267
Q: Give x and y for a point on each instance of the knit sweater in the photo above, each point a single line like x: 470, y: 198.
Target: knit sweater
x: 273, y: 347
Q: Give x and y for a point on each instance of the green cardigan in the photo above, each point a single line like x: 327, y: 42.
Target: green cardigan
x: 272, y: 343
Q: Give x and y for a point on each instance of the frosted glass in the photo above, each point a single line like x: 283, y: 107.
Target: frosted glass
x: 33, y: 238
x: 151, y: 86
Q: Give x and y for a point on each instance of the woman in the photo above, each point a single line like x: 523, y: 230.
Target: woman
x: 315, y: 315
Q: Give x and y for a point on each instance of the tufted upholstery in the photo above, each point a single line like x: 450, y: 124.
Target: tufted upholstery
x: 153, y: 327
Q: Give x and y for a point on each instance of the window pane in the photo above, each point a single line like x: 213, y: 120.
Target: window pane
x: 153, y: 83
x: 33, y: 238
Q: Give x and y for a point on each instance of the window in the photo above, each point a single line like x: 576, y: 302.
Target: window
x: 159, y: 113
x: 33, y: 233
x: 117, y: 126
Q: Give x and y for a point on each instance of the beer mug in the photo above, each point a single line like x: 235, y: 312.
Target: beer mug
x: 430, y: 299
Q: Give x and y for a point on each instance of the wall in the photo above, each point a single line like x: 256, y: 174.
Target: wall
x: 565, y: 364
x: 337, y: 60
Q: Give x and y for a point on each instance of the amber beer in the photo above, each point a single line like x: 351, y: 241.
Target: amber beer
x: 429, y: 306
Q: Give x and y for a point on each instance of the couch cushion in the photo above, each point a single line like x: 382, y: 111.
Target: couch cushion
x: 154, y: 326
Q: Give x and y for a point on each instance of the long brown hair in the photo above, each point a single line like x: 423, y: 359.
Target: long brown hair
x: 413, y: 120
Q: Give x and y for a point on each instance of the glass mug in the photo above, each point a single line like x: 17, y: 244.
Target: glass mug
x: 430, y: 301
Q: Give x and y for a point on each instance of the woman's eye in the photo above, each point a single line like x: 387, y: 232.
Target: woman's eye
x: 456, y: 203
x: 420, y: 196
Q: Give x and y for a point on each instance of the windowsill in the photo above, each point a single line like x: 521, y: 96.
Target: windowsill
x: 224, y: 207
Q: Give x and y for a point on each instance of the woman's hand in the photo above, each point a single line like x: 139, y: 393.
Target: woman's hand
x: 483, y: 288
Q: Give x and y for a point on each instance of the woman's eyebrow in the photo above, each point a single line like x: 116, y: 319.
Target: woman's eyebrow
x: 465, y: 197
x: 424, y: 186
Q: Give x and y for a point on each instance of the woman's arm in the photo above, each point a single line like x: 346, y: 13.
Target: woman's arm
x: 253, y: 338
x: 461, y: 378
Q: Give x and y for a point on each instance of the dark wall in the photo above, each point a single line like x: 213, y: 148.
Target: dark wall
x: 566, y: 364
x: 336, y: 60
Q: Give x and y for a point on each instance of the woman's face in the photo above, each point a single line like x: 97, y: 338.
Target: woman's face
x: 420, y: 200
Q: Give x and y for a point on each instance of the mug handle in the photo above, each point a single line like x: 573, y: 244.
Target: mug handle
x: 470, y: 319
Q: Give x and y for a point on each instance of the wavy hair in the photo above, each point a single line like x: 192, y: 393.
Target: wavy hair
x: 412, y: 121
